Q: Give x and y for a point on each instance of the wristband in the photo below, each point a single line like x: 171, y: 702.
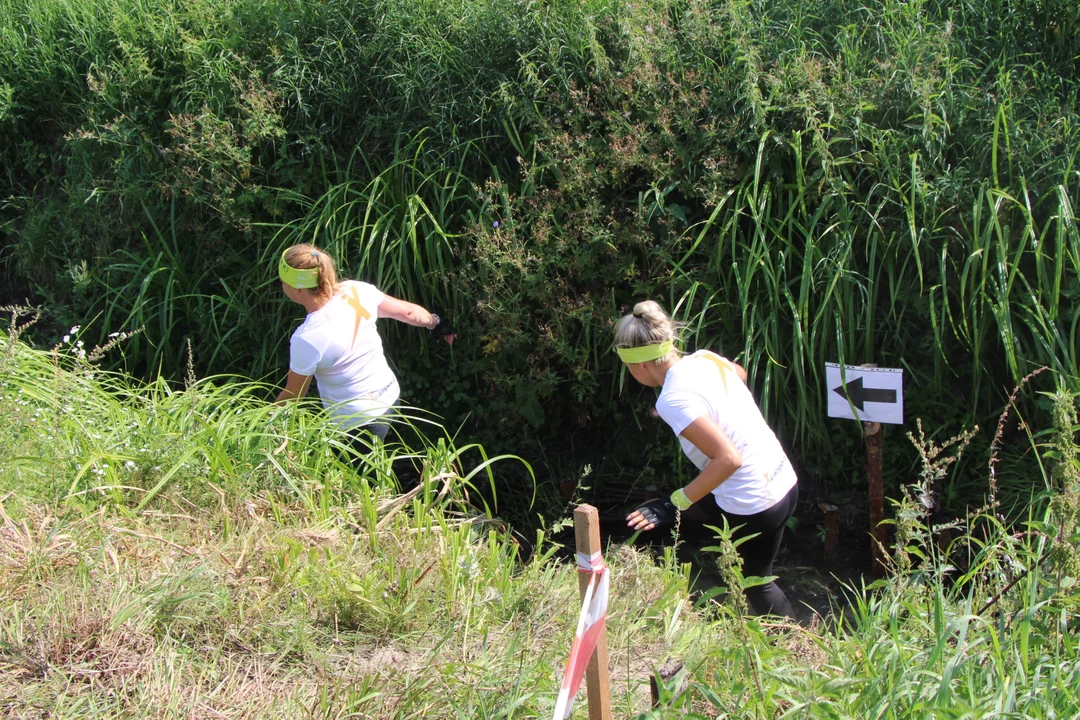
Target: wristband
x: 680, y: 500
x: 437, y: 321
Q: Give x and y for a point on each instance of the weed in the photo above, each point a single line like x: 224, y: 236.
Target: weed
x: 1065, y: 479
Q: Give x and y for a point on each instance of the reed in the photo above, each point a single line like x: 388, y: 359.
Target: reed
x: 887, y: 182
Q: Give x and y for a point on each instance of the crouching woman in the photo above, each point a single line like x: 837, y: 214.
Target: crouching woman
x: 744, y: 475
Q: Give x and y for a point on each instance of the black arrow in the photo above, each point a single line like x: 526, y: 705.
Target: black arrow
x: 859, y: 395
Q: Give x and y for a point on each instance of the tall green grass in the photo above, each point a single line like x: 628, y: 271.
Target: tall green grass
x: 253, y: 573
x: 990, y: 300
x: 101, y: 437
x: 885, y: 181
x: 391, y: 221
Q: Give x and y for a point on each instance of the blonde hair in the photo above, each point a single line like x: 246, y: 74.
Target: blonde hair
x: 648, y: 324
x: 306, y: 257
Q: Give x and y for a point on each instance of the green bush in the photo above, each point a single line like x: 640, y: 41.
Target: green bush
x: 889, y: 182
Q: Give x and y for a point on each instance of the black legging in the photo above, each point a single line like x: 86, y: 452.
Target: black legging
x: 361, y: 439
x: 758, y: 553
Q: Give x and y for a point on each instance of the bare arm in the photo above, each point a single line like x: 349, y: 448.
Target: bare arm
x: 724, y: 460
x: 296, y: 387
x: 740, y: 371
x: 406, y: 312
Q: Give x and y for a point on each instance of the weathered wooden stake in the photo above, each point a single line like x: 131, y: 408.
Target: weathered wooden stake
x: 832, y: 532
x: 675, y: 679
x: 597, y: 678
x: 879, y: 533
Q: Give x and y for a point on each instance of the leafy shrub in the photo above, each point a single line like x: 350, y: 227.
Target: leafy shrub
x: 891, y: 182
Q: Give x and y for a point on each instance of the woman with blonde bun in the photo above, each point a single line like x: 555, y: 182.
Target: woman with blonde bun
x: 744, y: 475
x: 338, y: 343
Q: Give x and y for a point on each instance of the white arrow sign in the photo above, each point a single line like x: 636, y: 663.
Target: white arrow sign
x: 866, y: 394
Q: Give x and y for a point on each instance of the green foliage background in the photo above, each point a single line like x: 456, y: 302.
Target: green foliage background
x: 875, y: 181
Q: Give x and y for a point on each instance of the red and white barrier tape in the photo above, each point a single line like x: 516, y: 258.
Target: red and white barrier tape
x: 590, y: 563
x: 590, y: 626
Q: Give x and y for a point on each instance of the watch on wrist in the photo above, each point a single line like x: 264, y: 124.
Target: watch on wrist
x: 437, y: 320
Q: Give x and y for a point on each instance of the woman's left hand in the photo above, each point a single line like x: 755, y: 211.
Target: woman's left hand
x: 652, y: 514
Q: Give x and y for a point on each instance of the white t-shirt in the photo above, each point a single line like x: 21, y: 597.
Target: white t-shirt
x: 340, y: 346
x: 704, y: 384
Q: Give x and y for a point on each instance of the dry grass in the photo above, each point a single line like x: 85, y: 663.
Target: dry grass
x: 162, y: 614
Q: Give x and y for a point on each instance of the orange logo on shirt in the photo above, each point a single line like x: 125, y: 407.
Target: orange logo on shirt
x: 361, y: 312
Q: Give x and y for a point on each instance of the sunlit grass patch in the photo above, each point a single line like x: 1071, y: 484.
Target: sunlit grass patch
x: 256, y: 573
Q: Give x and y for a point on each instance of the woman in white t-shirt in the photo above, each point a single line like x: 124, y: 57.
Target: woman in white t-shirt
x: 744, y: 474
x: 338, y: 343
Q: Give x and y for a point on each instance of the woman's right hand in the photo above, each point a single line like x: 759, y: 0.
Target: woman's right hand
x: 443, y: 330
x: 296, y: 386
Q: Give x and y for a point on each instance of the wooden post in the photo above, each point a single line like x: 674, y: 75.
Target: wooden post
x: 832, y: 532
x: 675, y: 679
x: 597, y: 679
x: 879, y: 533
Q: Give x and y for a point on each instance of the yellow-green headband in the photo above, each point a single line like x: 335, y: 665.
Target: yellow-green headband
x: 645, y: 353
x: 295, y: 277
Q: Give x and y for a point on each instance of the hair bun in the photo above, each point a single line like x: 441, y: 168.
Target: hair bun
x: 646, y: 324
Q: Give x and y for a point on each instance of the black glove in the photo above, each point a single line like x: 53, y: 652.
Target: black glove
x: 660, y: 512
x: 443, y: 330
